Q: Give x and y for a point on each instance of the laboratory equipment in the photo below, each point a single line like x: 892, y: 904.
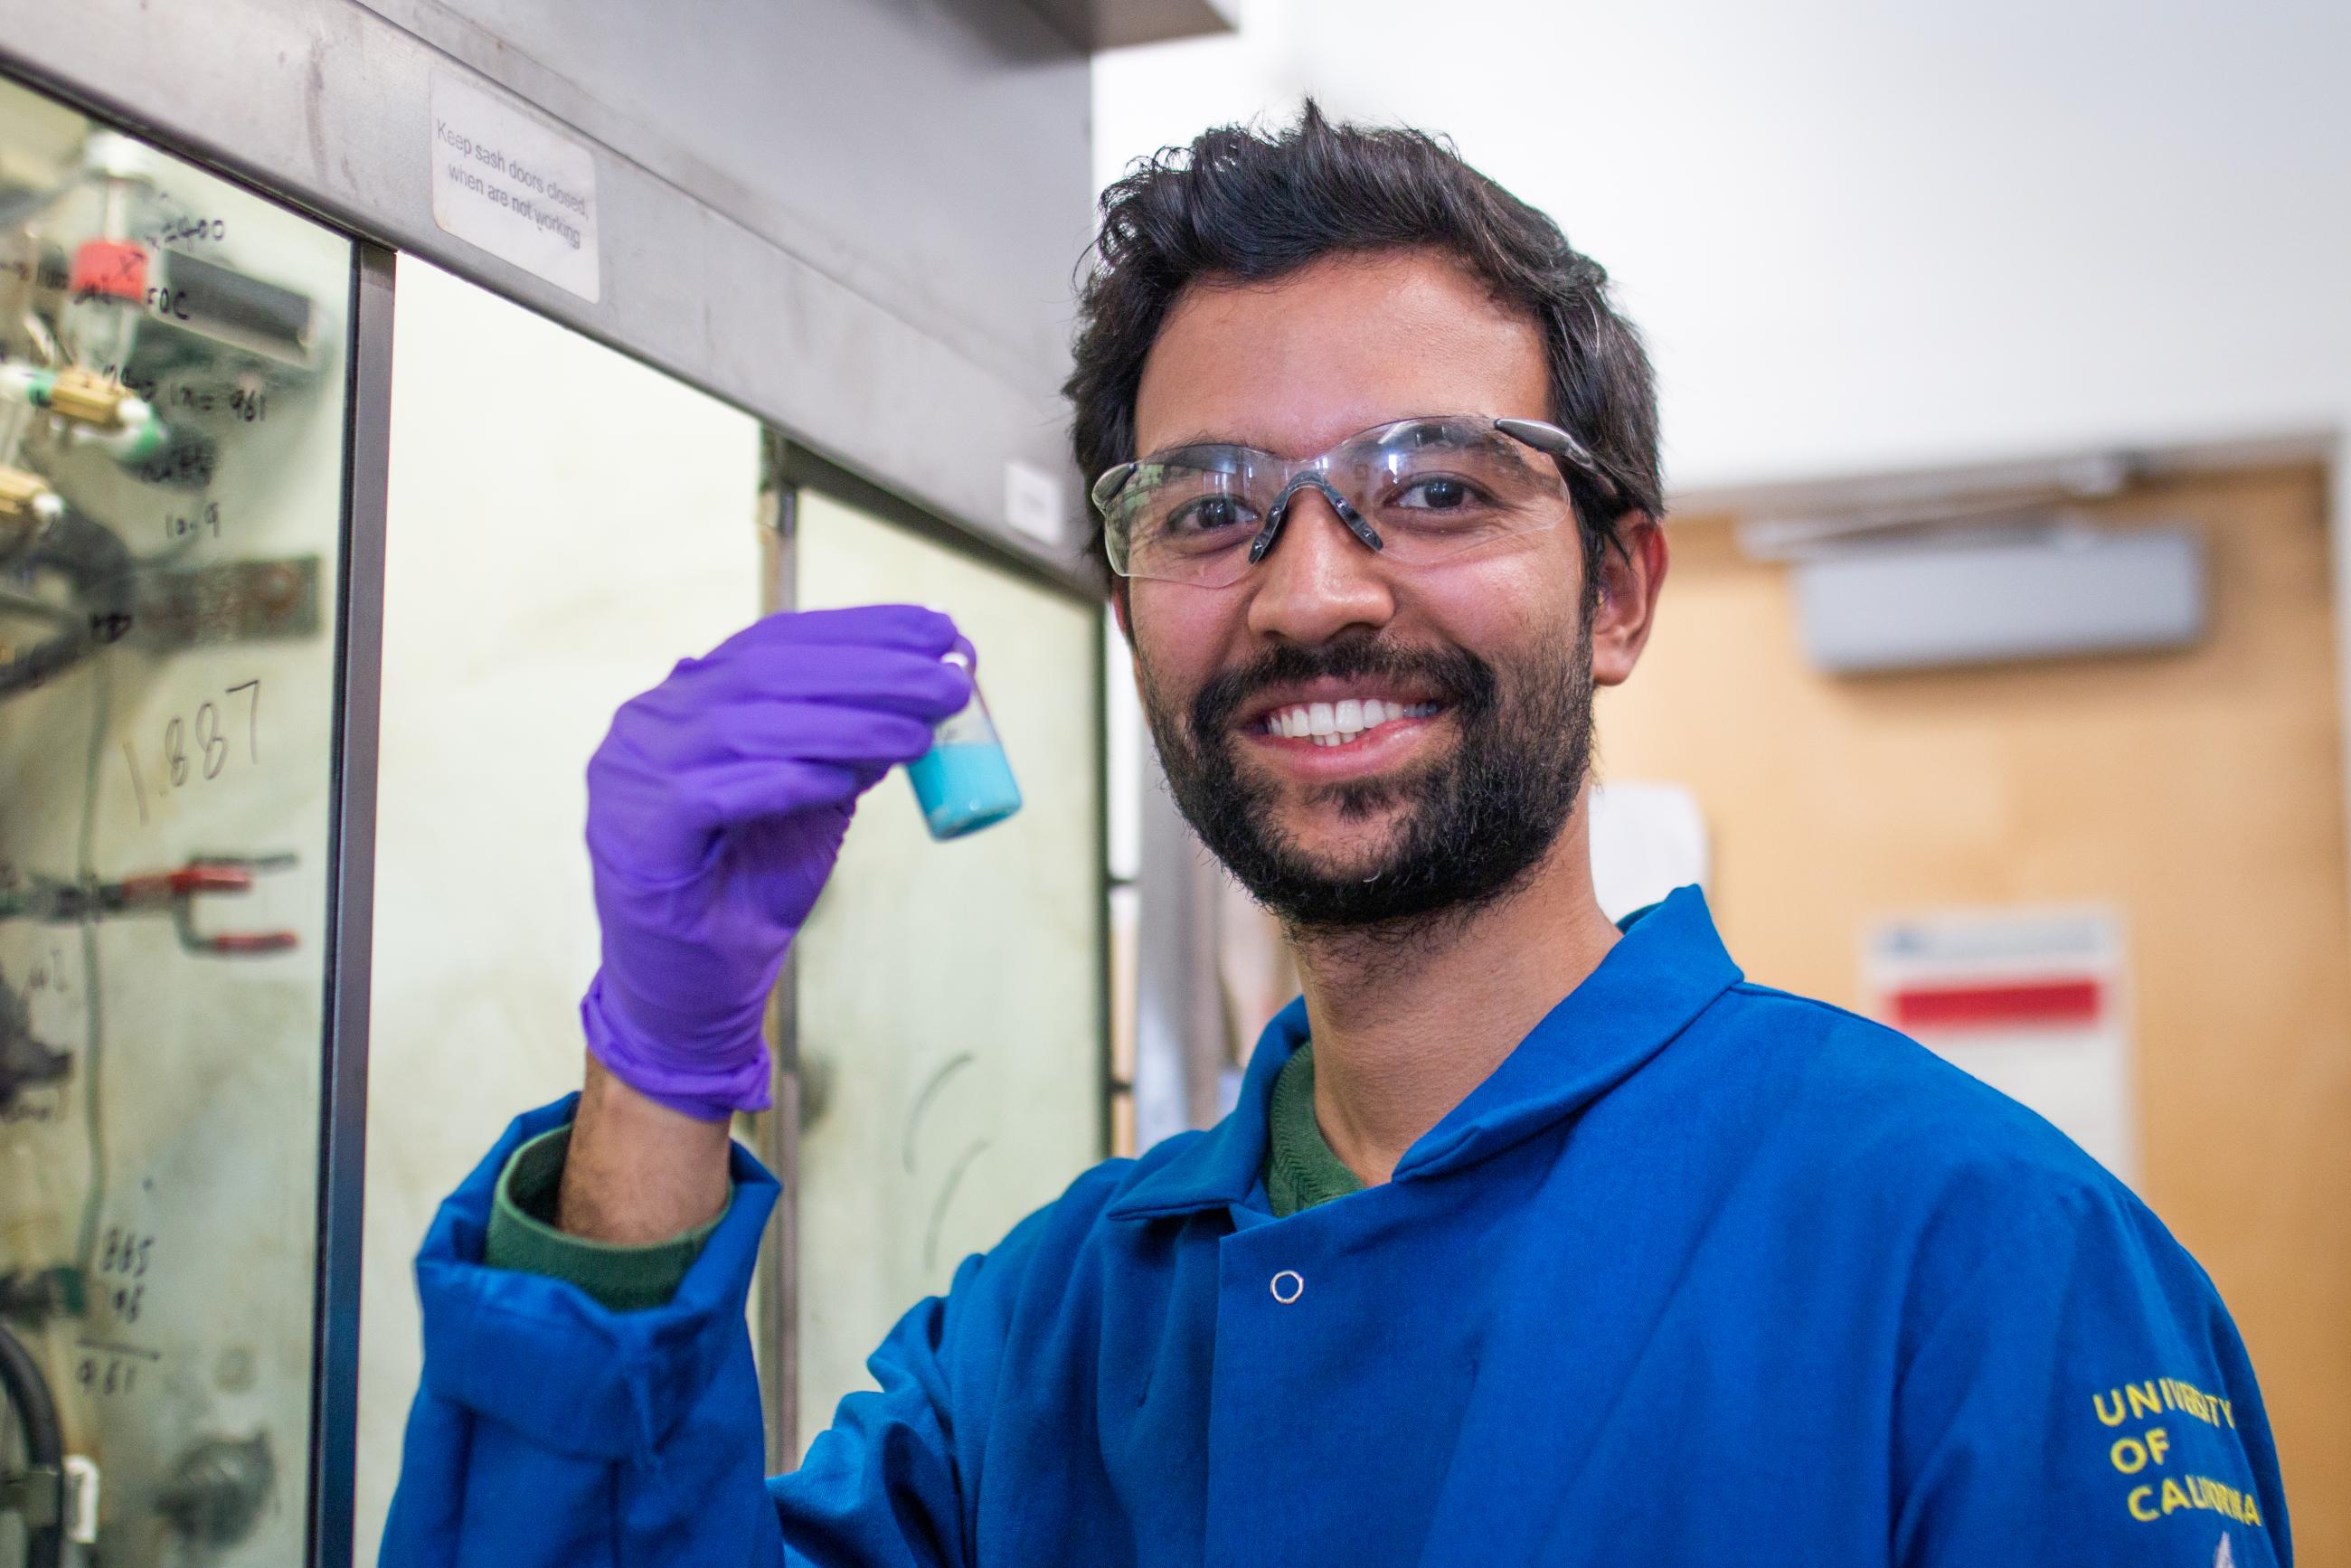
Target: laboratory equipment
x: 174, y: 363
x: 963, y: 782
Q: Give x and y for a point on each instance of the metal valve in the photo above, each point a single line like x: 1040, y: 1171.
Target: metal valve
x: 177, y: 891
x: 203, y: 877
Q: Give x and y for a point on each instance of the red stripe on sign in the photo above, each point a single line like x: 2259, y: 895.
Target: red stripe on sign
x: 2011, y: 1006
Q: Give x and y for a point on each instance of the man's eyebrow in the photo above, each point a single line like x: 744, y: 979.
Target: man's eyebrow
x: 1197, y: 440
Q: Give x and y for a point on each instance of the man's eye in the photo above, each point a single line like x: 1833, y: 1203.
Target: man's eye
x: 1209, y: 514
x: 1438, y: 495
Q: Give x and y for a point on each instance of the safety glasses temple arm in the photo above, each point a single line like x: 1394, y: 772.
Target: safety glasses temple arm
x: 1107, y: 485
x: 1551, y: 439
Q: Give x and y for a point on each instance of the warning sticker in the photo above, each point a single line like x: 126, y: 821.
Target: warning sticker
x: 2030, y: 1000
x: 505, y: 182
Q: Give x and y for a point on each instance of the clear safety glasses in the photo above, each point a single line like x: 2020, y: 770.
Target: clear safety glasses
x: 1416, y: 490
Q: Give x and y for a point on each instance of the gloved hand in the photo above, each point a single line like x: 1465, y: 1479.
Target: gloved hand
x: 716, y: 808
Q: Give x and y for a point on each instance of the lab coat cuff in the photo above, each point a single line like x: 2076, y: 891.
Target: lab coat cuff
x: 541, y: 1356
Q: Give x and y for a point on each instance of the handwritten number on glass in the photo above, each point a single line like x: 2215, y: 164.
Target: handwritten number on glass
x: 210, y: 733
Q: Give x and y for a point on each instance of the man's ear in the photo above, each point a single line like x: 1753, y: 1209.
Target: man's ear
x: 1630, y: 571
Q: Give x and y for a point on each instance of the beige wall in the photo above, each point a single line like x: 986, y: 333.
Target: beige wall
x: 2199, y: 791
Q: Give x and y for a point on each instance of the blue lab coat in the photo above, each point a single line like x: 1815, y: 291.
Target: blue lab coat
x: 1704, y: 1273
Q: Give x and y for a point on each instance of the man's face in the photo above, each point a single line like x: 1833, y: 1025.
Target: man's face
x: 1482, y: 665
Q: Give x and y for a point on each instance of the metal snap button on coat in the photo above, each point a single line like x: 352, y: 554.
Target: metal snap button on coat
x: 1288, y: 1286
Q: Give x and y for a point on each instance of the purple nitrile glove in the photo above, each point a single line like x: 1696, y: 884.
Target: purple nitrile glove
x: 716, y: 808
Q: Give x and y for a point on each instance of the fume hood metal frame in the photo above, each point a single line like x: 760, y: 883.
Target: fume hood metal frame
x: 343, y: 1131
x: 326, y: 106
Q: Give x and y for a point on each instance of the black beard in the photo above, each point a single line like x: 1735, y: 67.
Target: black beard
x: 1478, y: 819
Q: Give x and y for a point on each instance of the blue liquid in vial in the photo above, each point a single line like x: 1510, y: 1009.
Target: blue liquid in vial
x: 963, y: 782
x: 963, y: 788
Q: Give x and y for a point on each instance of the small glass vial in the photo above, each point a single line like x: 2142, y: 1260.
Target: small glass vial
x: 963, y: 782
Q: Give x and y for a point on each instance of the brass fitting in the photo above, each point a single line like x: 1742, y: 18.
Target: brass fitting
x: 27, y: 504
x: 84, y: 397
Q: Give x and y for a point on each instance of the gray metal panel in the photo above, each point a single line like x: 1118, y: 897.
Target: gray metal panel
x: 1120, y: 24
x: 342, y: 1133
x: 933, y: 157
x: 778, y: 1129
x: 1783, y: 516
x: 328, y: 104
x: 2062, y: 593
x: 1179, y: 1010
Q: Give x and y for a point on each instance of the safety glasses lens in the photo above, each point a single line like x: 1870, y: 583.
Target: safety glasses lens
x: 1429, y: 488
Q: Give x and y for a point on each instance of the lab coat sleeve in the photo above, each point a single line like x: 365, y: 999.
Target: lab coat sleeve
x: 2079, y: 1394
x: 891, y: 1482
x: 550, y: 1430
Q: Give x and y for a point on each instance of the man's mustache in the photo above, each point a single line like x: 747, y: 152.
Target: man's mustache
x: 1460, y: 678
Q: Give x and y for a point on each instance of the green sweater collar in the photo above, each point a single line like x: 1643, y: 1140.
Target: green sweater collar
x: 1300, y: 1171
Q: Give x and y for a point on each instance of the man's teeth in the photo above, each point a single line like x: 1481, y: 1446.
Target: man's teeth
x: 1336, y: 724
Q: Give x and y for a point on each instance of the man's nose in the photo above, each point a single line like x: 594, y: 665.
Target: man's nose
x: 1318, y: 579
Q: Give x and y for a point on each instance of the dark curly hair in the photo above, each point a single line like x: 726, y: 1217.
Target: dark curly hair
x: 1249, y: 205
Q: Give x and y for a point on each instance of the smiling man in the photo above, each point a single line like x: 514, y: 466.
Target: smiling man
x: 1530, y: 1240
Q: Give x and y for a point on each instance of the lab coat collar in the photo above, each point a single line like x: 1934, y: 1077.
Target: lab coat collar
x: 1669, y: 966
x: 1220, y: 1166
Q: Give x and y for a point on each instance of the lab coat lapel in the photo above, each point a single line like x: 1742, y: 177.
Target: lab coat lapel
x: 1669, y: 965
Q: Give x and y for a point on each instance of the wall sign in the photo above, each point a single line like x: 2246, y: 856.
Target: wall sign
x: 2031, y: 1001
x: 508, y: 183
